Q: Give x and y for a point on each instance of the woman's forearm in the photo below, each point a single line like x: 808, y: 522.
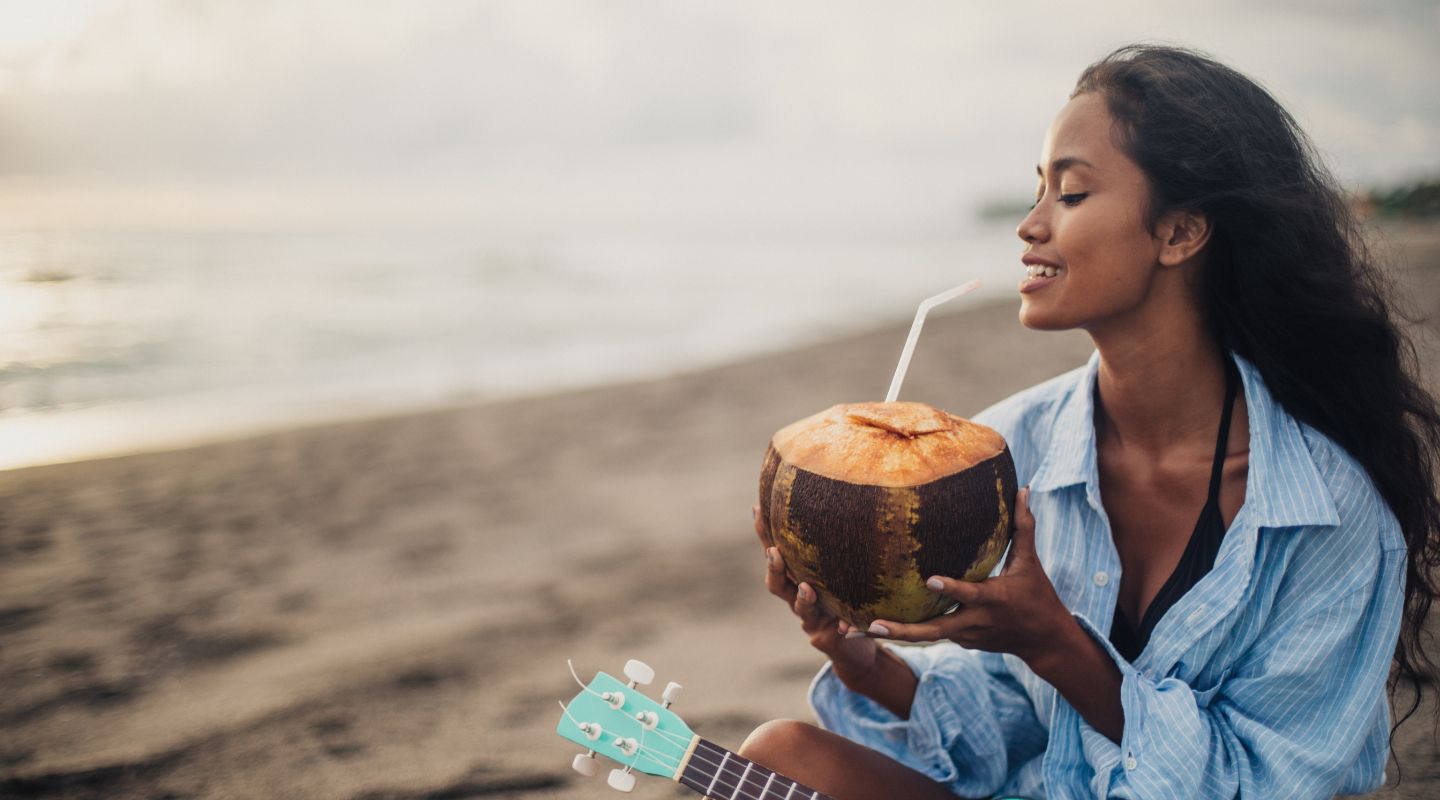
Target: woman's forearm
x: 1077, y: 666
x: 889, y: 682
x: 1082, y: 672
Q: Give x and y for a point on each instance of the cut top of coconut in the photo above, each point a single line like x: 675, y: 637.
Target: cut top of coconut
x: 906, y: 419
x: 886, y: 444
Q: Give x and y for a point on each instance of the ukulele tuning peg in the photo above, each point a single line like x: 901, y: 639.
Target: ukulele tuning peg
x: 621, y: 781
x: 586, y: 764
x: 672, y: 693
x: 638, y: 672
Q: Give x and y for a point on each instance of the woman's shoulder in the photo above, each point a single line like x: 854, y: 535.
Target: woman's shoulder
x: 1324, y: 518
x: 1358, y: 502
x: 1312, y: 472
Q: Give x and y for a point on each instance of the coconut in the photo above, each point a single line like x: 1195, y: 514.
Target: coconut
x: 866, y: 501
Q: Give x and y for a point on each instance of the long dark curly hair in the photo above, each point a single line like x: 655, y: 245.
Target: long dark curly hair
x: 1290, y: 285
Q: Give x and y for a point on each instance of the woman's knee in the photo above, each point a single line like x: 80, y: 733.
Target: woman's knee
x: 777, y: 739
x: 834, y: 765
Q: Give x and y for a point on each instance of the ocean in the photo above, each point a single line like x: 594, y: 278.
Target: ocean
x: 115, y: 341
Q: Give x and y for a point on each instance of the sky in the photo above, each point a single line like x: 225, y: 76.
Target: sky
x: 888, y: 118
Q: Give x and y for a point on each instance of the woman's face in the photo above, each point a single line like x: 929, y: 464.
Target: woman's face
x: 1087, y: 225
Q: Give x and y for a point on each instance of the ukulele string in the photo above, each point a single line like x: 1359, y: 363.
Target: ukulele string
x: 576, y: 676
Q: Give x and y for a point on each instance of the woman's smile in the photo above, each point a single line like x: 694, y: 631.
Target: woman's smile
x: 1039, y: 273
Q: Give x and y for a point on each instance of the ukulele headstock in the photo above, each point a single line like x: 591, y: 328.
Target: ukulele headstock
x: 616, y: 720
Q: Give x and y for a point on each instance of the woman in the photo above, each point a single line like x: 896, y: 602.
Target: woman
x: 1248, y: 370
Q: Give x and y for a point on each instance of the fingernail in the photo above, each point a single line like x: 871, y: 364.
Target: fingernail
x: 878, y: 629
x: 936, y: 584
x: 854, y: 634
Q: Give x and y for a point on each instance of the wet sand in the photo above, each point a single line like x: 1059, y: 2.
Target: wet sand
x: 383, y: 609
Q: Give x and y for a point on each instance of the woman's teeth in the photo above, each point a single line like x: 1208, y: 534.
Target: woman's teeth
x: 1040, y: 271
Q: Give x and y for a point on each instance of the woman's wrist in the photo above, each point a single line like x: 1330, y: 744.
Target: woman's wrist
x: 1061, y: 648
x: 857, y: 679
x: 888, y: 681
x: 1082, y: 672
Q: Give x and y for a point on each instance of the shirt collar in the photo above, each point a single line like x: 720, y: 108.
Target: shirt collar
x: 1283, y: 486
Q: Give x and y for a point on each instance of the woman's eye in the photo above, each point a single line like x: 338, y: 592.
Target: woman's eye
x: 1073, y: 199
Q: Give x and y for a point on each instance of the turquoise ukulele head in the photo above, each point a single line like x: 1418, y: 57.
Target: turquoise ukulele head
x: 622, y: 724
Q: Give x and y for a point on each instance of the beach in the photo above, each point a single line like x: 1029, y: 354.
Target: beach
x: 384, y: 608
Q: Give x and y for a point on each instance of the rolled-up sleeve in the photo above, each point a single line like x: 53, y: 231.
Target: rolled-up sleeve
x: 1294, y: 717
x: 971, y: 723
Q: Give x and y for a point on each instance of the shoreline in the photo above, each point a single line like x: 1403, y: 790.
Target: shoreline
x: 131, y: 428
x: 383, y: 608
x: 272, y: 419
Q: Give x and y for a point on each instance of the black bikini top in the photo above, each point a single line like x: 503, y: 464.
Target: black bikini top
x: 1199, y: 556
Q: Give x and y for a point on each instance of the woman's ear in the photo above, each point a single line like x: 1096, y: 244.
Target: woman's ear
x: 1182, y: 235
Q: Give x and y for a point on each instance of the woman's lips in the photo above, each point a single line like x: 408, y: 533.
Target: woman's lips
x: 1028, y: 285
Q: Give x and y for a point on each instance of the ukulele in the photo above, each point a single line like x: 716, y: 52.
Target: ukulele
x: 615, y: 720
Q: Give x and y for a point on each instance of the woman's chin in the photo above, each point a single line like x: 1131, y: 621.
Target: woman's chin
x: 1037, y: 319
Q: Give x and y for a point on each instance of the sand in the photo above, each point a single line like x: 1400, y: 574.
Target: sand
x: 384, y: 609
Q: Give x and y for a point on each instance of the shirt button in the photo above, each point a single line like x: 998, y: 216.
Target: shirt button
x: 1101, y: 578
x: 1131, y: 763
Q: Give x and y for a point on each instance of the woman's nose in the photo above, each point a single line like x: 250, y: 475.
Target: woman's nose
x: 1033, y: 228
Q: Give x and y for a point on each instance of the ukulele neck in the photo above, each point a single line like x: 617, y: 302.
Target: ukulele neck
x: 718, y: 773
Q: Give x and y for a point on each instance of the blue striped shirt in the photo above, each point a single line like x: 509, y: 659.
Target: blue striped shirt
x: 1267, y: 679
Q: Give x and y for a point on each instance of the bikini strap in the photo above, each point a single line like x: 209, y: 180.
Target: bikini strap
x: 1232, y: 381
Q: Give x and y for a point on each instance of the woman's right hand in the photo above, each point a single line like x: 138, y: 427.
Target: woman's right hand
x: 853, y: 658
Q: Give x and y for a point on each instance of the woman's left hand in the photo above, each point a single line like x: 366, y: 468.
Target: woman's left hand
x: 1015, y: 612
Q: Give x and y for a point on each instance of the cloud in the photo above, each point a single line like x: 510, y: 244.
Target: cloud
x: 594, y: 97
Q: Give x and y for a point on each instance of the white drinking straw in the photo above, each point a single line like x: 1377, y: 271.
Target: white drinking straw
x: 915, y: 327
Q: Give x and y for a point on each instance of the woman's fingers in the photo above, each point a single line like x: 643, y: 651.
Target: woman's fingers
x: 807, y: 606
x: 1022, y: 540
x: 817, y: 621
x: 760, y: 529
x: 932, y: 631
x: 962, y: 626
x: 776, y: 580
x: 802, y: 598
x: 963, y: 592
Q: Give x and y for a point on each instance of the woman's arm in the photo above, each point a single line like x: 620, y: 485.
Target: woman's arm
x: 917, y: 709
x: 1018, y: 612
x: 860, y: 663
x: 890, y: 682
x: 1085, y: 675
x: 971, y: 724
x: 1301, y: 712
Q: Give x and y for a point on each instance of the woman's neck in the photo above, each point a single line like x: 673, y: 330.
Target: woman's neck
x: 1161, y: 385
